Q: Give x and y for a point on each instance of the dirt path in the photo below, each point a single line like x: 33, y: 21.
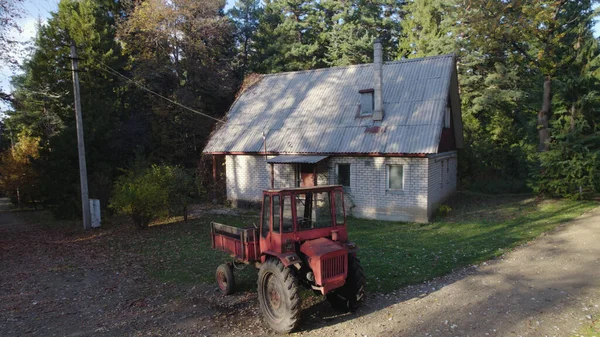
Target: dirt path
x: 549, y: 287
x: 7, y: 219
x: 72, y: 284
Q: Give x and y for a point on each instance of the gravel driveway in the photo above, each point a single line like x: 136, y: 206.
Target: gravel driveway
x: 549, y: 287
x: 62, y: 286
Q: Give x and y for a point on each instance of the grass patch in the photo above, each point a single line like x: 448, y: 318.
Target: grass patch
x: 478, y: 229
x: 591, y: 331
x: 393, y: 254
x: 182, y: 253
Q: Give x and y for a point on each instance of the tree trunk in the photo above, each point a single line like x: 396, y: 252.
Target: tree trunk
x: 573, y: 115
x: 544, y: 114
x: 19, y: 199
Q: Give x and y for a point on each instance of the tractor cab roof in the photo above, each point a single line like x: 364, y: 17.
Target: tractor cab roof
x: 322, y: 188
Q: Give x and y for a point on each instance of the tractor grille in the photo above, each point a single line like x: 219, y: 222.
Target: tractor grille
x: 333, y: 266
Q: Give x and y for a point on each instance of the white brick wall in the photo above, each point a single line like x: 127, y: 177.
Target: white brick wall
x: 248, y: 176
x: 442, y: 178
x: 367, y: 196
x: 368, y: 187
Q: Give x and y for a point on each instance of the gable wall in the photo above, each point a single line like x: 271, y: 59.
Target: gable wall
x: 442, y: 182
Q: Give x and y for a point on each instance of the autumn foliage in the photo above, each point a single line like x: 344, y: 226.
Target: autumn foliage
x: 18, y: 177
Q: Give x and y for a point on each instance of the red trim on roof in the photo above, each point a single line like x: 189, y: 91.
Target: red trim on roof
x: 419, y: 155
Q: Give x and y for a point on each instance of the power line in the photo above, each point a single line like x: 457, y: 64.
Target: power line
x: 116, y: 73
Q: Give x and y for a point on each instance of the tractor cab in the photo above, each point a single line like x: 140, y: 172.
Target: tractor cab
x: 302, y: 240
x: 293, y: 216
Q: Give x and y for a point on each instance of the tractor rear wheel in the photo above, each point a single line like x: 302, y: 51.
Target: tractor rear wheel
x: 225, y: 280
x: 278, y: 296
x: 351, y: 295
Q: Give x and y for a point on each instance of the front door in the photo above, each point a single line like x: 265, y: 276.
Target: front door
x: 307, y: 175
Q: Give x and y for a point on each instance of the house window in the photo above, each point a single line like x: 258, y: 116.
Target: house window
x: 395, y: 177
x: 447, y: 117
x: 343, y: 174
x: 366, y: 102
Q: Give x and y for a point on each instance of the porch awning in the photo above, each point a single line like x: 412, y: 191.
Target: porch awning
x: 296, y: 159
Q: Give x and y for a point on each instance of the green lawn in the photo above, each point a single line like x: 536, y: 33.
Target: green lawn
x: 393, y: 254
x: 591, y: 331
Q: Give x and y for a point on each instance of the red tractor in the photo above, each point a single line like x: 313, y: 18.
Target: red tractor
x: 302, y: 239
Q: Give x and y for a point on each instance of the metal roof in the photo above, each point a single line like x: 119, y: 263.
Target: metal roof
x: 296, y: 159
x: 316, y: 111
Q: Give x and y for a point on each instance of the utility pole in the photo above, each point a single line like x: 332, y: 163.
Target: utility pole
x: 85, y: 202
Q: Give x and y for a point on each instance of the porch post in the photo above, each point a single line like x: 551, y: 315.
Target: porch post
x: 315, y: 175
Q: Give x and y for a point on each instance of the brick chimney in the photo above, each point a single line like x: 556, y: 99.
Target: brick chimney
x: 377, y: 70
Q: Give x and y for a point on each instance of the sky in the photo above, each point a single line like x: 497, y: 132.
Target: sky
x: 34, y: 10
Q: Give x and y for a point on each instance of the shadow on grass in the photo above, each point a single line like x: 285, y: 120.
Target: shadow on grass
x: 393, y: 254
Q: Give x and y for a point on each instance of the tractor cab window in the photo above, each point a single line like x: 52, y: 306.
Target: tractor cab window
x: 313, y: 210
x: 287, y: 221
x: 276, y: 214
x: 339, y: 208
x: 265, y: 218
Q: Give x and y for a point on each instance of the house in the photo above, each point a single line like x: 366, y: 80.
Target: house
x: 388, y: 132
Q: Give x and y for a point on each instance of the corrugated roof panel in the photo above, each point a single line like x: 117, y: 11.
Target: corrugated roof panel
x: 316, y: 111
x: 293, y: 140
x: 412, y: 139
x: 296, y: 159
x: 350, y: 139
x: 275, y: 140
x: 402, y: 112
x: 331, y: 140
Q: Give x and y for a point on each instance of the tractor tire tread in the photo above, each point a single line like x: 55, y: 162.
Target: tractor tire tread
x: 351, y: 290
x: 290, y: 284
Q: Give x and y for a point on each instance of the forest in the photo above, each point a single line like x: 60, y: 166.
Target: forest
x: 529, y: 74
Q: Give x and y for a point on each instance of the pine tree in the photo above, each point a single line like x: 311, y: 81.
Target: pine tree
x: 246, y: 15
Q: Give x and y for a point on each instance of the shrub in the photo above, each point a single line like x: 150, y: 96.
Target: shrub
x: 151, y: 193
x: 571, y: 166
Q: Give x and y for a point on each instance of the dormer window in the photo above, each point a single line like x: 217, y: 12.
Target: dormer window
x: 366, y: 102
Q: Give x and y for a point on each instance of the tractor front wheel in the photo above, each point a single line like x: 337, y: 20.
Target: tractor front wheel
x: 278, y: 296
x: 351, y: 295
x: 225, y: 280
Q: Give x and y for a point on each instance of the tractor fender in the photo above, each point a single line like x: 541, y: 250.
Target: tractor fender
x: 288, y: 259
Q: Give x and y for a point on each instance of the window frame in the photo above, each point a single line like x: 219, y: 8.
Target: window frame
x: 362, y: 112
x: 276, y: 211
x: 287, y: 199
x: 387, y: 180
x: 337, y: 174
x: 448, y: 117
x: 313, y: 222
x: 266, y: 204
x: 339, y: 209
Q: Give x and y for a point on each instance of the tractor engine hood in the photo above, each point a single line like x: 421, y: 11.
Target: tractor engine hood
x: 328, y: 261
